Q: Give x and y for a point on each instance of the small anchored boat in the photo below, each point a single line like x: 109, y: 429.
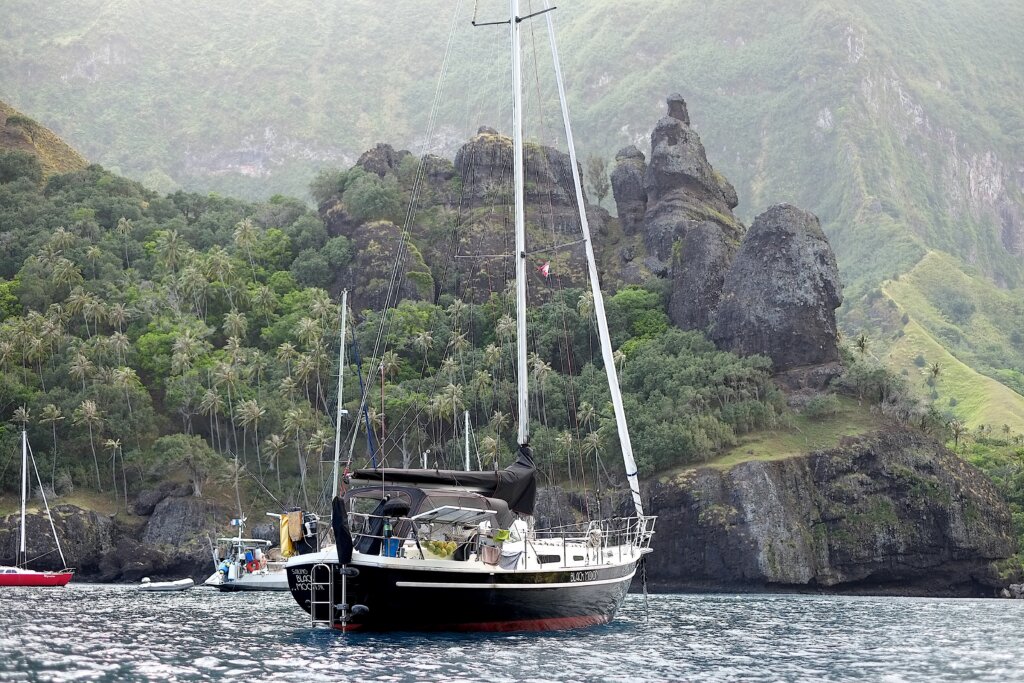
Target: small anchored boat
x: 165, y: 586
x: 20, y: 575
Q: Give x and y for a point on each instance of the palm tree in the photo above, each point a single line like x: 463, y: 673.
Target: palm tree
x: 264, y: 301
x: 294, y: 423
x: 319, y: 441
x: 88, y: 413
x: 21, y: 416
x: 490, y: 447
x: 212, y: 405
x: 115, y: 449
x: 541, y: 371
x: 565, y: 442
x: 170, y: 249
x: 481, y: 384
x: 95, y: 309
x: 183, y: 351
x: 249, y: 414
x: 274, y: 445
x: 586, y: 413
x: 423, y: 341
x: 308, y: 331
x: 81, y: 367
x: 220, y: 268
x: 285, y: 353
x: 959, y: 429
x: 124, y: 231
x: 62, y: 238
x: 861, y: 344
x: 120, y: 343
x: 51, y: 416
x: 235, y: 324
x: 455, y: 310
x: 93, y: 254
x: 505, y: 328
x: 246, y: 235
x: 126, y: 378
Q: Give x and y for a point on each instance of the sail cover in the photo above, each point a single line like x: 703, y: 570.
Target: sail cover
x: 516, y: 484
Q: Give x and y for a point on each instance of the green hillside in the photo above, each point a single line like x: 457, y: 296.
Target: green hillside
x: 900, y: 122
x: 20, y: 134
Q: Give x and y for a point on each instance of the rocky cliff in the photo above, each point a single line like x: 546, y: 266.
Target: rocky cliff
x: 166, y: 537
x: 891, y: 512
x: 460, y: 235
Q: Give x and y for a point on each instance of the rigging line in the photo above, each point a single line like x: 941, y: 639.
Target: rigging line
x: 266, y: 490
x: 397, y: 272
x: 556, y: 247
x: 42, y: 493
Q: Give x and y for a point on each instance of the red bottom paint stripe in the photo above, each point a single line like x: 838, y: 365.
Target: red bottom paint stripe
x: 552, y: 624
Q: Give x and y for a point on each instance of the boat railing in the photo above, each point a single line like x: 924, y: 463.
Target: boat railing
x: 614, y: 531
x: 634, y: 533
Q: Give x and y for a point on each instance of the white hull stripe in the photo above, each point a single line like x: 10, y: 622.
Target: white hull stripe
x: 527, y: 586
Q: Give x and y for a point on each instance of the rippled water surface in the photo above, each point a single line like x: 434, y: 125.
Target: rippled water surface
x: 114, y: 633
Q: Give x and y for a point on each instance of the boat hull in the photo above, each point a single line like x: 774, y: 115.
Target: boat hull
x: 36, y: 579
x: 432, y: 599
x: 167, y: 586
x: 271, y: 581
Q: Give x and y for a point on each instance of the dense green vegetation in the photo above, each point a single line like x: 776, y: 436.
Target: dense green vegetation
x: 898, y: 122
x: 188, y: 336
x: 1000, y: 454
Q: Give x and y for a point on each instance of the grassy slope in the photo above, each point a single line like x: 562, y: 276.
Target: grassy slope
x: 980, y: 399
x: 801, y: 435
x: 55, y: 155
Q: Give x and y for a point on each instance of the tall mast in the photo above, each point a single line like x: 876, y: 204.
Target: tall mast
x: 340, y: 411
x: 22, y: 554
x: 520, y: 224
x: 595, y: 288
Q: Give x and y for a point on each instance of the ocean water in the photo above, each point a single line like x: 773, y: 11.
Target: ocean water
x: 114, y: 633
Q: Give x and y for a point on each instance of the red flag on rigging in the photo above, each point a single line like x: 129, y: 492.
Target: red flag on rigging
x: 545, y: 268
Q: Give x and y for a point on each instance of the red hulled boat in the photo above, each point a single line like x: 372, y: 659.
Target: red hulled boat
x: 20, y: 575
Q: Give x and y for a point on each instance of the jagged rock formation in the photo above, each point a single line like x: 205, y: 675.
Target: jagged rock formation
x: 382, y: 159
x: 781, y: 292
x: 682, y: 208
x: 894, y: 511
x: 772, y: 291
x: 628, y: 188
x: 699, y: 265
x: 682, y: 188
x: 461, y: 229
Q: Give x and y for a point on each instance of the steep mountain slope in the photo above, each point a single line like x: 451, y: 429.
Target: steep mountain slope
x: 898, y: 123
x: 20, y: 133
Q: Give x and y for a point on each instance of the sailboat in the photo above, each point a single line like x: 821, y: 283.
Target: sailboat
x: 431, y: 549
x: 20, y: 575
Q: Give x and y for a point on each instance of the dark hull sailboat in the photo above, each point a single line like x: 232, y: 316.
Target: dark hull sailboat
x: 425, y: 598
x: 387, y: 577
x: 453, y: 550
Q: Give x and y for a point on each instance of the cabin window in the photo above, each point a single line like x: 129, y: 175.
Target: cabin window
x: 548, y: 559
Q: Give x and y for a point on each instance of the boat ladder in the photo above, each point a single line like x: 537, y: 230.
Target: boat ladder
x: 321, y: 612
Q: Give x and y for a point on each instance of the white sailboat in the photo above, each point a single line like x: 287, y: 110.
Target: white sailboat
x: 20, y: 574
x: 454, y: 550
